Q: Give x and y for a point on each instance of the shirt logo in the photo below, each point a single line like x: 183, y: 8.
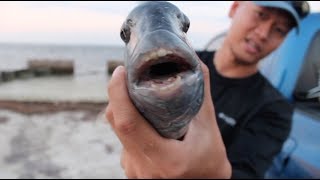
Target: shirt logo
x: 227, y: 119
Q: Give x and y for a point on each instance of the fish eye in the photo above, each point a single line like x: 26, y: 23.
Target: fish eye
x: 125, y: 33
x: 185, y: 24
x: 122, y: 35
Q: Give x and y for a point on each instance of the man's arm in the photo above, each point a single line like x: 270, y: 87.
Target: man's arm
x: 146, y: 154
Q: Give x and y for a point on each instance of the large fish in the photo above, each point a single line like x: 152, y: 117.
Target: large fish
x: 165, y: 81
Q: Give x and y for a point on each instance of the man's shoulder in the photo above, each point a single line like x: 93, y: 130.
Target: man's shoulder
x: 269, y: 91
x: 205, y: 56
x: 271, y: 96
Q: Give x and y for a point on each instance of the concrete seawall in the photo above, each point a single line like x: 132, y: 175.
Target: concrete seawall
x: 40, y: 68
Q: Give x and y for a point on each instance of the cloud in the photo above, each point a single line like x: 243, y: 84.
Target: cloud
x: 315, y: 6
x: 212, y: 9
x: 18, y: 18
x: 95, y: 22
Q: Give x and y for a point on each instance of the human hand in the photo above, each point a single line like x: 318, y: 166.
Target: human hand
x: 146, y: 154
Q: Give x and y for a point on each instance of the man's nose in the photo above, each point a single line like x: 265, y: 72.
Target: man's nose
x: 263, y: 30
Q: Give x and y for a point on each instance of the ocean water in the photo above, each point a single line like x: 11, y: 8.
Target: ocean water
x: 87, y: 84
x: 86, y: 58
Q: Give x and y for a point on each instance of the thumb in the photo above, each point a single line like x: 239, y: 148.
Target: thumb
x: 118, y: 95
x: 131, y: 128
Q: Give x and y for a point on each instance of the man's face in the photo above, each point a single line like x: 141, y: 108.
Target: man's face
x: 256, y: 31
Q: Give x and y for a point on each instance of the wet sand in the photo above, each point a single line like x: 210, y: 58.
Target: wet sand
x: 57, y: 140
x: 51, y: 107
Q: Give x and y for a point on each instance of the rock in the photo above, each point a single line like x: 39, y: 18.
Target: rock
x: 39, y: 68
x: 55, y: 67
x: 113, y: 64
x: 42, y: 72
x: 7, y: 76
x: 24, y: 74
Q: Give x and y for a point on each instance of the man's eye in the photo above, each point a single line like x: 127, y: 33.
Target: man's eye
x: 262, y: 15
x: 280, y: 31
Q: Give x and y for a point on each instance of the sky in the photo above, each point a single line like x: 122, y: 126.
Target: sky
x: 99, y: 22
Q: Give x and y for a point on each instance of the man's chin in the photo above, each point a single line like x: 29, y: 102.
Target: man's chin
x: 247, y: 61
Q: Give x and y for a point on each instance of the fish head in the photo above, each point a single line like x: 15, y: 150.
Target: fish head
x: 164, y: 76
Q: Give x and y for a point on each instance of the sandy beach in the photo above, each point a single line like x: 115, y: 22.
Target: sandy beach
x: 54, y: 126
x: 57, y: 140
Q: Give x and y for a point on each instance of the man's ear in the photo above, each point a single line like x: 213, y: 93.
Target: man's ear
x: 234, y: 8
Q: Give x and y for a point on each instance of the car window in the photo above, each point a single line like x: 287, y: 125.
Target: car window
x: 308, y: 83
x: 215, y: 42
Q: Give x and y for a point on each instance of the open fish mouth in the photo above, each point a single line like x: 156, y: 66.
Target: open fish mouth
x: 163, y: 70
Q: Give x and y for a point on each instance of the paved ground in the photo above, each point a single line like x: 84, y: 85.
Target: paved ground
x: 71, y: 144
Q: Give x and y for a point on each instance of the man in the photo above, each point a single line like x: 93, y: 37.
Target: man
x: 243, y: 121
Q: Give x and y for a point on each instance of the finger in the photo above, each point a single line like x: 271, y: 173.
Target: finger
x: 123, y: 159
x: 109, y: 114
x: 132, y: 129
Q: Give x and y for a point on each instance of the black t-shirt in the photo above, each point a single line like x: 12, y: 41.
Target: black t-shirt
x: 253, y: 117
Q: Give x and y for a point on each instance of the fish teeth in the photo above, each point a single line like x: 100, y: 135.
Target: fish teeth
x: 153, y: 55
x: 162, y: 52
x: 178, y: 79
x: 157, y: 54
x: 176, y: 82
x: 168, y: 87
x: 170, y: 79
x: 172, y: 85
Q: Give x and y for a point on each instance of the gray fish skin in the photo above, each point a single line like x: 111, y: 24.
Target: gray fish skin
x: 164, y: 76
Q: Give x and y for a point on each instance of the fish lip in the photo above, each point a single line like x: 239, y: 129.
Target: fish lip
x: 184, y: 60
